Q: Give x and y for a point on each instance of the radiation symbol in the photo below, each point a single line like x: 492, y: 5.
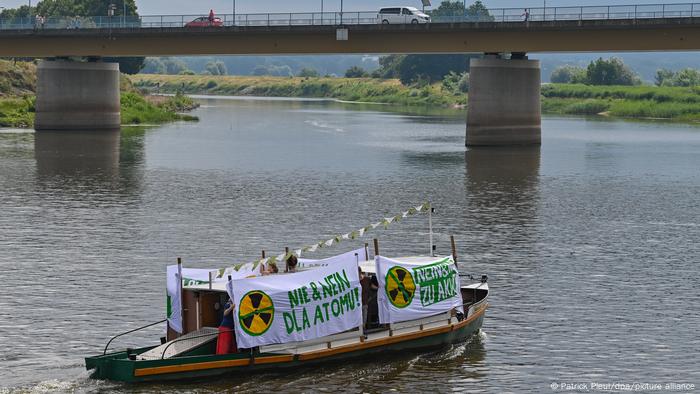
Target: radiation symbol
x: 256, y: 312
x: 400, y: 287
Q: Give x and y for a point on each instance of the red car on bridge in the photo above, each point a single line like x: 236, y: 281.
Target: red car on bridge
x: 205, y: 21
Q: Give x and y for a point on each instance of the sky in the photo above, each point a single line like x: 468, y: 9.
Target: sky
x: 189, y: 7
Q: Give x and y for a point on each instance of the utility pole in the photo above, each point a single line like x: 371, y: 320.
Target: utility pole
x: 341, y: 12
x: 234, y: 12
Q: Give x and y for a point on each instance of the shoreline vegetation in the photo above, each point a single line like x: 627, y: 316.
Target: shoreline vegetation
x: 638, y: 101
x: 17, y: 100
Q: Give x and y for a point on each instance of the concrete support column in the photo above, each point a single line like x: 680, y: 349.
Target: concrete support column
x: 504, y: 102
x: 77, y: 96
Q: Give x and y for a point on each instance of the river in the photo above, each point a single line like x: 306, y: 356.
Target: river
x: 591, y: 242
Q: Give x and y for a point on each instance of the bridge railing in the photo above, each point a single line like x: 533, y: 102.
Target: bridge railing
x: 535, y: 14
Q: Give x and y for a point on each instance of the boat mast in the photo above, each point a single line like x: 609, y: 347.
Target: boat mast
x: 430, y: 228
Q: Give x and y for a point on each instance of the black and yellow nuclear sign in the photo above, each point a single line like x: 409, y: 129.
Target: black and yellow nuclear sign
x: 256, y: 312
x: 399, y: 286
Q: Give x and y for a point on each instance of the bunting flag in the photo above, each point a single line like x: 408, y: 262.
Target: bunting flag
x: 359, y: 233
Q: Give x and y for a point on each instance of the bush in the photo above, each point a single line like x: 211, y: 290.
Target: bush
x: 456, y: 83
x: 568, y: 74
x: 356, y: 72
x: 308, y: 73
x: 587, y: 107
x: 686, y: 77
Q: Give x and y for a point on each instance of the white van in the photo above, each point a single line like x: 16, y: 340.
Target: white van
x: 399, y: 15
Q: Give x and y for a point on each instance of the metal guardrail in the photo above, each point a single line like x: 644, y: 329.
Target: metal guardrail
x: 129, y: 332
x: 534, y: 14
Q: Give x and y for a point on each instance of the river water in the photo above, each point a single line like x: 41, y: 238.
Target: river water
x: 591, y: 242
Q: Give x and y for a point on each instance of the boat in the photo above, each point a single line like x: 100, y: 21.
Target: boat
x: 192, y: 354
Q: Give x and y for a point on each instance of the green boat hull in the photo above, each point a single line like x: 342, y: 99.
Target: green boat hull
x: 118, y: 367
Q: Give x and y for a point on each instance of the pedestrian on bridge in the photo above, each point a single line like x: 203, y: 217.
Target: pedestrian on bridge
x: 526, y: 15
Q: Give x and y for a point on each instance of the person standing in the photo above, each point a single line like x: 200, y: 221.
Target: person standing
x: 526, y: 15
x: 211, y: 16
x: 366, y: 284
x: 226, y: 342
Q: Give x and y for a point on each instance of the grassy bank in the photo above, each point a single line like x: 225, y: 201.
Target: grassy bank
x: 651, y: 102
x: 671, y: 103
x: 389, y: 91
x: 17, y: 102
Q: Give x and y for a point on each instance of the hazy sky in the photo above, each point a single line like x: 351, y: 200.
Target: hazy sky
x: 179, y: 7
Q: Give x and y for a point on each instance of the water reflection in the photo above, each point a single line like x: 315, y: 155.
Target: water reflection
x: 61, y: 153
x: 104, y: 159
x: 502, y: 196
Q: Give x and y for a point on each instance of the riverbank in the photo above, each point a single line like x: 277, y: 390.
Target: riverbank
x: 370, y: 90
x: 17, y: 100
x: 640, y: 102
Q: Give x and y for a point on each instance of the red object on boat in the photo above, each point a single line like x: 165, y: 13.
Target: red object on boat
x: 226, y: 343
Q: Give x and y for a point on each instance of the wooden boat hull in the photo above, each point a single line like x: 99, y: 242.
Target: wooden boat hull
x: 117, y: 366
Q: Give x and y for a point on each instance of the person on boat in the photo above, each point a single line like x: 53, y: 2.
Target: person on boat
x: 211, y: 16
x: 366, y: 284
x: 226, y: 342
x: 269, y: 269
x: 373, y: 306
x: 292, y: 263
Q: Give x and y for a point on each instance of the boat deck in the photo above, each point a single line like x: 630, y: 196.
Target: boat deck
x: 181, y: 345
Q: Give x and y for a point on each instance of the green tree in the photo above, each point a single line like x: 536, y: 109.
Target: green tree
x: 174, y: 66
x: 610, y: 72
x: 84, y: 7
x: 356, y: 72
x: 431, y: 68
x: 216, y: 68
x: 448, y: 9
x: 389, y: 66
x: 663, y: 77
x: 479, y: 12
x: 307, y: 72
x: 568, y: 74
x: 686, y: 77
x: 456, y: 83
x: 154, y: 65
x: 453, y: 9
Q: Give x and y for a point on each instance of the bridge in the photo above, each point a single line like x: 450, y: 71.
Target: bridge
x: 504, y: 98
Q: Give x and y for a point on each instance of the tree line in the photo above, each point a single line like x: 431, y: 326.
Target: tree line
x: 613, y: 71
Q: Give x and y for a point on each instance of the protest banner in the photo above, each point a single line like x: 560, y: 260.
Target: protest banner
x: 409, y: 291
x: 297, y: 307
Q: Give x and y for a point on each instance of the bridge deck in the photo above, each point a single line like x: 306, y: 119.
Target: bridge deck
x: 653, y: 34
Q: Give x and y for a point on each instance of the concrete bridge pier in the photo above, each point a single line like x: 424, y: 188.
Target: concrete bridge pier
x: 77, y: 96
x: 504, y: 101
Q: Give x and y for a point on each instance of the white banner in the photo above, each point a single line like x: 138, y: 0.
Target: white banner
x: 197, y: 276
x: 174, y: 298
x: 409, y: 291
x: 241, y: 271
x: 311, y: 263
x: 286, y: 308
